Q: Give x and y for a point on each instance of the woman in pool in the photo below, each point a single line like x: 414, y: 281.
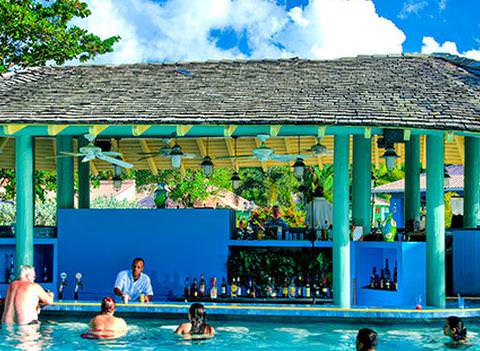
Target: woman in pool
x: 105, y: 325
x: 455, y: 329
x: 367, y: 340
x: 197, y: 325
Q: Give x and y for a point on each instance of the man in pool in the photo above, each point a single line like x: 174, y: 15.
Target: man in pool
x: 24, y: 296
x: 455, y: 329
x: 105, y: 325
x: 367, y: 340
x: 130, y: 284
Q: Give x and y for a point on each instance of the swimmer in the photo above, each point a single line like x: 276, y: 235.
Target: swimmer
x: 105, y: 325
x: 455, y: 329
x: 197, y: 326
x: 24, y: 296
x: 367, y: 340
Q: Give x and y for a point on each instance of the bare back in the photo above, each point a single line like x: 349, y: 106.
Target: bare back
x: 185, y: 329
x: 21, y: 304
x: 108, y: 326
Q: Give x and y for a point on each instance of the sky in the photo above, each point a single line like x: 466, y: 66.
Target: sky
x: 199, y: 30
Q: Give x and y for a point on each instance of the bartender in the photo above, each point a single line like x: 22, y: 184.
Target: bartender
x: 276, y: 220
x: 319, y: 211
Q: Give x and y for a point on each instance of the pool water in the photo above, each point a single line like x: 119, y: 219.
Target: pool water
x: 63, y: 333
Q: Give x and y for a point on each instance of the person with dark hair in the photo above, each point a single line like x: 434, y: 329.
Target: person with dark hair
x: 276, y: 220
x: 105, y: 325
x: 455, y: 329
x: 197, y: 325
x: 130, y: 284
x: 367, y: 340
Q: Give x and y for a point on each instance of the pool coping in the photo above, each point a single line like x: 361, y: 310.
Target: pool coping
x: 271, y: 310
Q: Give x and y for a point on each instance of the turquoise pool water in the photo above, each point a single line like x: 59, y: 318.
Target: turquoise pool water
x: 157, y: 334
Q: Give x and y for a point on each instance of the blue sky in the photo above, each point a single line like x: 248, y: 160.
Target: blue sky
x: 197, y: 30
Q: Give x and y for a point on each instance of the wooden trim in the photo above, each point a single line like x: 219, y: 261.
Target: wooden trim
x: 201, y: 147
x: 230, y: 149
x: 406, y: 134
x: 368, y: 133
x: 11, y: 129
x: 274, y: 130
x: 460, y: 148
x: 228, y: 131
x: 97, y: 129
x: 182, y: 130
x: 138, y: 130
x: 55, y: 129
x: 150, y: 160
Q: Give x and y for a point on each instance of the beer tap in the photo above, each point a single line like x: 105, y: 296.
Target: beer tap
x: 63, y: 283
x: 78, y: 285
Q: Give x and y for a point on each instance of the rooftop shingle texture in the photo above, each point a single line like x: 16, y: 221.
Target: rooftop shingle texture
x: 401, y: 91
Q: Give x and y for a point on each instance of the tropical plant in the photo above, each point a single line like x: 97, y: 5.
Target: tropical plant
x: 34, y: 32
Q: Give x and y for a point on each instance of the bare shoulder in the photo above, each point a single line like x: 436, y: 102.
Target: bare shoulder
x: 120, y: 322
x: 184, y: 328
x: 210, y: 330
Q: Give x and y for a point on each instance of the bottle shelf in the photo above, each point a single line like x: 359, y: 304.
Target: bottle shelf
x: 378, y: 289
x: 264, y: 300
x: 278, y: 243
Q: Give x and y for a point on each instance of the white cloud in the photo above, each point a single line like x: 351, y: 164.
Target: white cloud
x: 412, y: 7
x: 180, y: 30
x: 430, y: 45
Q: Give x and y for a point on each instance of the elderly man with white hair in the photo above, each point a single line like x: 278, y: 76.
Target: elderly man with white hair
x: 23, y: 298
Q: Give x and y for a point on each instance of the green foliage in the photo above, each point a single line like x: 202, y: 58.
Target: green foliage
x: 33, y: 32
x: 112, y: 202
x: 45, y: 213
x: 44, y: 181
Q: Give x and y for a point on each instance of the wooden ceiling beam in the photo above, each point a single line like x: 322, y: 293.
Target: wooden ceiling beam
x: 183, y: 130
x: 460, y: 148
x: 11, y: 129
x: 138, y: 130
x: 201, y: 147
x: 55, y: 129
x: 229, y: 130
x: 230, y: 149
x: 150, y: 160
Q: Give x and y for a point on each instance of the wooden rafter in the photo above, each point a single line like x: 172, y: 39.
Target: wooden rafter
x: 150, y: 160
x: 12, y: 129
x: 229, y: 130
x: 460, y: 148
x: 183, y: 130
x: 230, y: 149
x: 56, y: 129
x: 138, y: 130
x: 97, y: 129
x: 274, y: 130
x: 201, y: 147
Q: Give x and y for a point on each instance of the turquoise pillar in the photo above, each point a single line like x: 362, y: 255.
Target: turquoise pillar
x: 341, y: 227
x: 24, y: 200
x: 435, y: 222
x: 471, y: 200
x: 65, y: 179
x: 362, y: 182
x: 412, y: 179
x: 83, y: 178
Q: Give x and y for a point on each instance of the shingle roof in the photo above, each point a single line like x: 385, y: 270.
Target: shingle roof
x: 387, y: 91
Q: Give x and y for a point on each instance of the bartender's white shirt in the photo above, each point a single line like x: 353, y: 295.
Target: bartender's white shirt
x: 319, y: 210
x: 133, y: 288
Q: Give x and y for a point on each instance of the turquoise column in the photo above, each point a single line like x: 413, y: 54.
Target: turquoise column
x: 65, y: 179
x: 471, y: 200
x: 83, y: 178
x: 362, y: 182
x: 341, y: 235
x: 412, y: 179
x: 24, y: 200
x: 435, y: 222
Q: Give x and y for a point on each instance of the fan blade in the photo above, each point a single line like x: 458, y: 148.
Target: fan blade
x: 71, y: 154
x: 190, y: 156
x: 88, y: 158
x: 282, y: 158
x: 236, y: 157
x: 147, y: 157
x: 147, y: 153
x: 114, y: 161
x: 112, y: 153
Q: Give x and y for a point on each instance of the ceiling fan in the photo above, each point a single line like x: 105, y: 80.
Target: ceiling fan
x: 91, y: 152
x: 263, y: 153
x: 175, y: 153
x: 164, y: 150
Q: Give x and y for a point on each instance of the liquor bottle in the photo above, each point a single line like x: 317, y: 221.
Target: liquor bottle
x: 186, y: 288
x: 395, y: 277
x: 316, y: 288
x: 379, y: 231
x: 269, y: 289
x: 239, y: 288
x: 325, y: 231
x: 213, y: 290
x: 223, y: 289
x: 233, y: 289
x: 308, y: 292
x: 11, y: 270
x: 202, y: 286
x: 285, y: 289
x: 325, y: 288
x: 45, y: 274
x: 252, y: 293
x: 382, y: 279
x: 387, y: 275
x: 373, y: 277
x: 292, y: 289
x: 194, y: 290
x: 300, y: 287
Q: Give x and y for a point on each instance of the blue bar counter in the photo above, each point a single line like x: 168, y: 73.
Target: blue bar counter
x: 269, y: 310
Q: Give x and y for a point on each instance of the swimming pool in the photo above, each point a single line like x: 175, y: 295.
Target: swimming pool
x: 63, y: 333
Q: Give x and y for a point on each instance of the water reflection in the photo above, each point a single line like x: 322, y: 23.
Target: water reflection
x: 32, y: 337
